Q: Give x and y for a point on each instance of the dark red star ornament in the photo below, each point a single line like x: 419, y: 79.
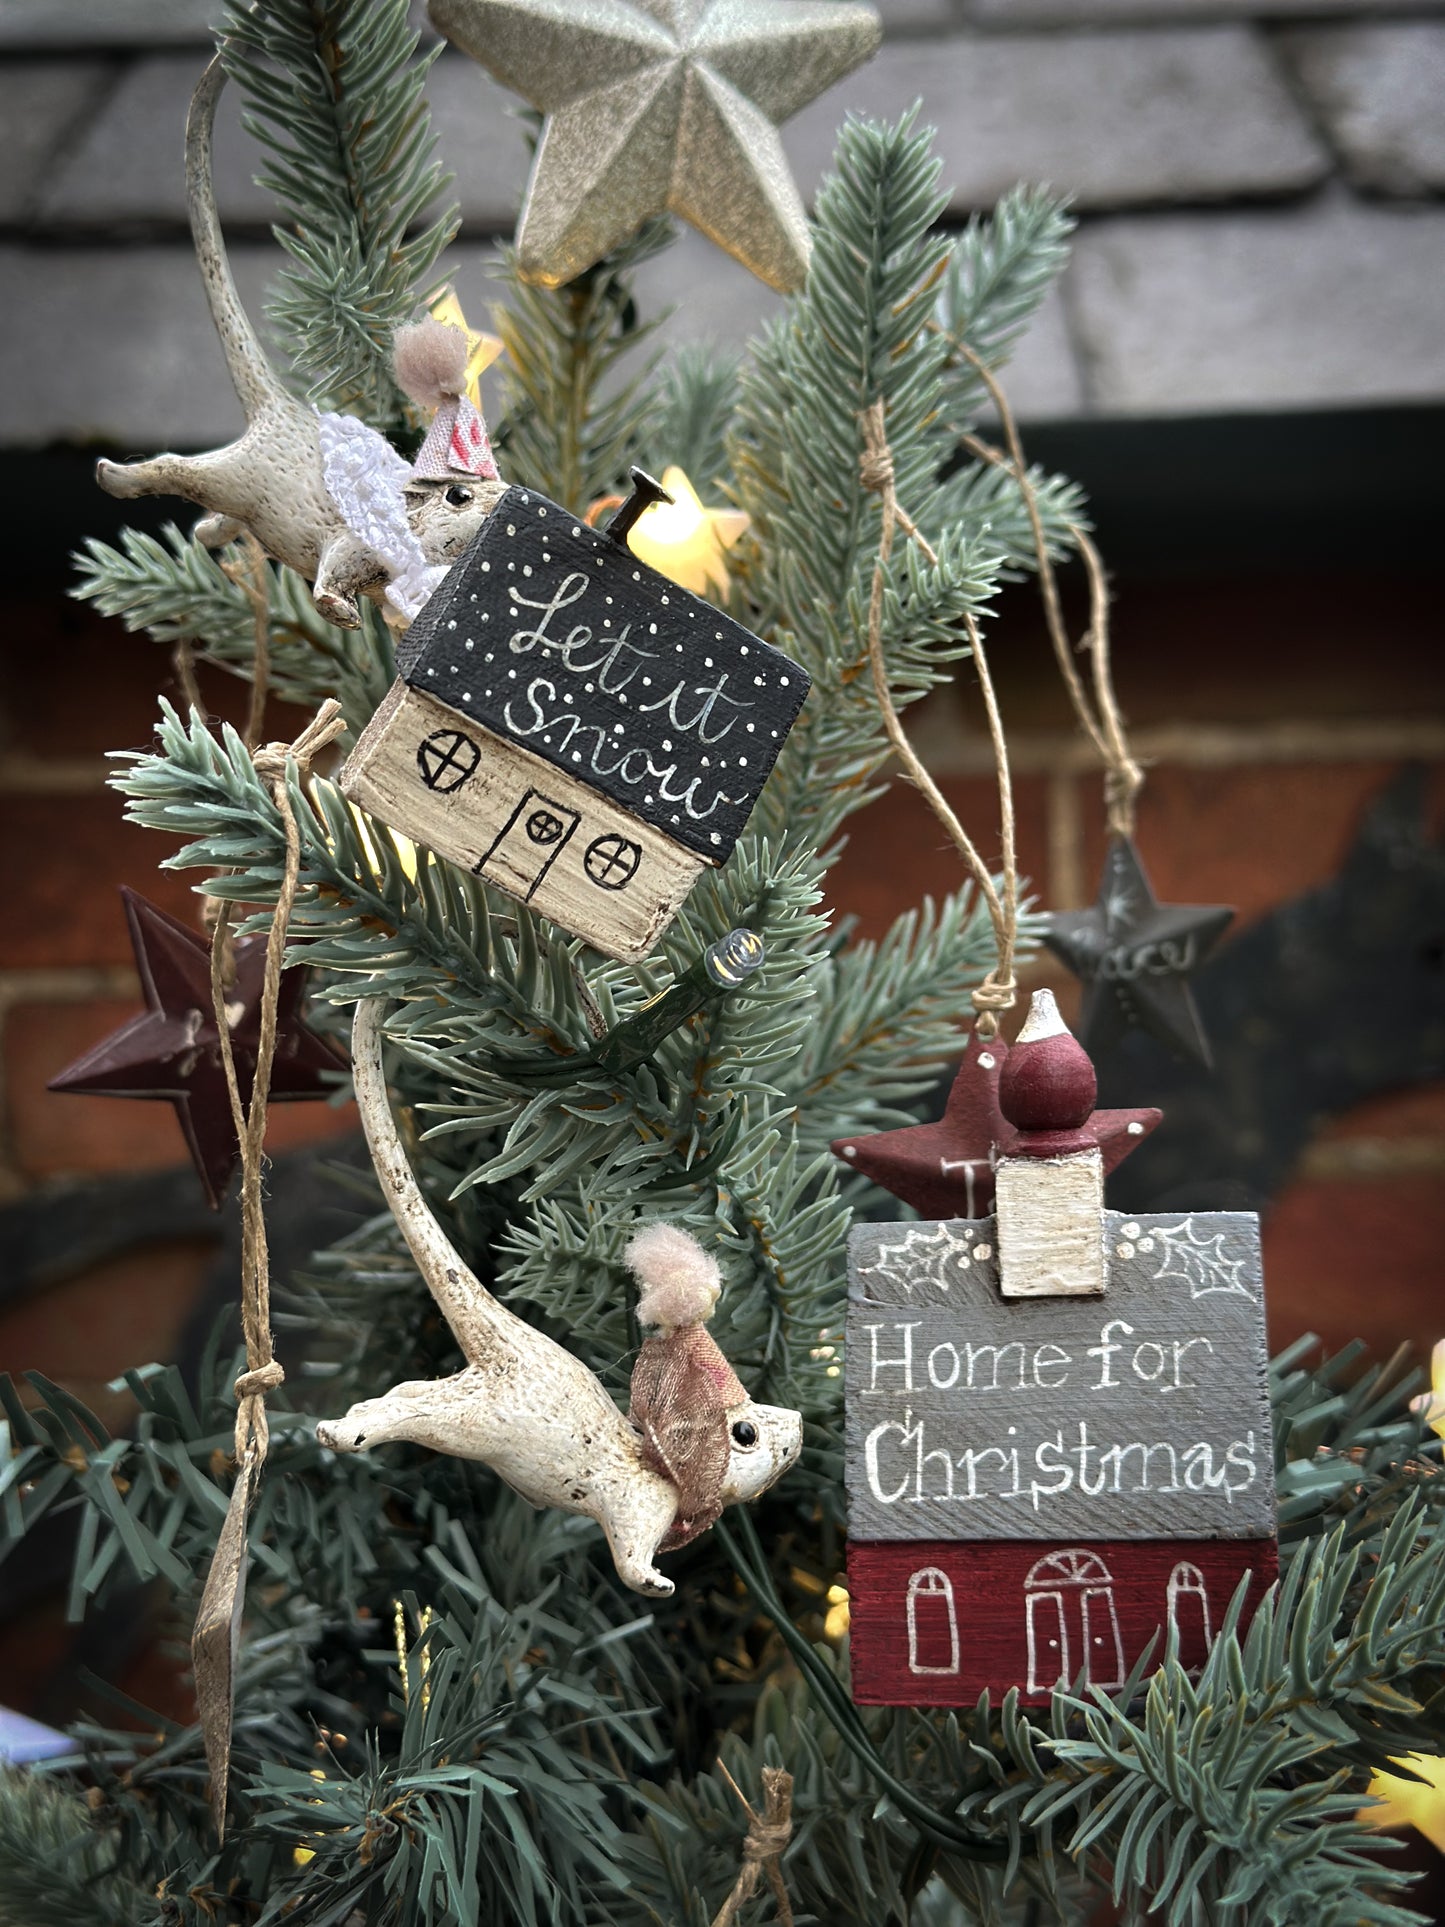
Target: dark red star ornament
x: 172, y: 1050
x: 945, y: 1170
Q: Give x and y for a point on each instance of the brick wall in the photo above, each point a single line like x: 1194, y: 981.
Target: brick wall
x: 72, y: 688
x: 1272, y: 711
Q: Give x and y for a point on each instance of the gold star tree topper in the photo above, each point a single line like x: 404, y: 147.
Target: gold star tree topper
x: 662, y: 104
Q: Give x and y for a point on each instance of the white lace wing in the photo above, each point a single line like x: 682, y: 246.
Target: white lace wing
x: 365, y: 478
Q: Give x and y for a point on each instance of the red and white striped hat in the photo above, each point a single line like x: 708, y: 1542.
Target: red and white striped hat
x: 431, y: 366
x: 456, y: 443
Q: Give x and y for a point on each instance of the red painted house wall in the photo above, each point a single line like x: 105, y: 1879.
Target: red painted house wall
x: 936, y: 1622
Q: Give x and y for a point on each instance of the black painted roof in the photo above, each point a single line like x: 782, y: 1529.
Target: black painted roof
x: 558, y: 637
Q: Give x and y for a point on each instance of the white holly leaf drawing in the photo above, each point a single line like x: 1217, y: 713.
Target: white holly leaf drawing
x: 933, y: 1255
x: 1199, y: 1262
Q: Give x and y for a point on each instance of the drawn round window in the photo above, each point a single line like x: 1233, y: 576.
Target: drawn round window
x: 611, y: 861
x: 447, y: 758
x: 544, y: 826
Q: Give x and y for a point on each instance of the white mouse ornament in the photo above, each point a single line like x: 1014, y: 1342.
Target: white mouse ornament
x: 693, y: 1443
x: 323, y: 493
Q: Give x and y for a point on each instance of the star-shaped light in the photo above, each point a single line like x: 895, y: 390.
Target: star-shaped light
x: 1135, y: 956
x: 482, y: 349
x: 662, y: 104
x: 1418, y: 1803
x: 1431, y: 1404
x: 685, y: 541
x: 946, y: 1170
x: 172, y: 1050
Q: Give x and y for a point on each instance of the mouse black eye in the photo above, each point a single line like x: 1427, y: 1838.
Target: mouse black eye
x: 745, y: 1432
x: 458, y: 496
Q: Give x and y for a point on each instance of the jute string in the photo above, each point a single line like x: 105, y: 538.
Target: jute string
x: 1098, y: 713
x: 768, y: 1835
x: 253, y: 579
x: 263, y: 1371
x: 998, y: 990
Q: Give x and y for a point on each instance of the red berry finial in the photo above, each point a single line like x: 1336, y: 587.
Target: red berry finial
x: 1047, y: 1084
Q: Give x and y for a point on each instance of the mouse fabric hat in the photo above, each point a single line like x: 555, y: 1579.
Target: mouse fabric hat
x: 430, y: 358
x: 682, y: 1386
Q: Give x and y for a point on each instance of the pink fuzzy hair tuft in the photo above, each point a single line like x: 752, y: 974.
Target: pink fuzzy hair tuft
x: 680, y: 1281
x: 430, y: 359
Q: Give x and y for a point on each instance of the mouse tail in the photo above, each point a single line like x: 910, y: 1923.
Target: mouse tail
x: 478, y: 1322
x: 256, y: 382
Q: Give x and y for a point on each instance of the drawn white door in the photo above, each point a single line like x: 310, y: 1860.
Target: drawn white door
x: 1048, y: 1642
x: 1069, y: 1600
x: 1103, y: 1648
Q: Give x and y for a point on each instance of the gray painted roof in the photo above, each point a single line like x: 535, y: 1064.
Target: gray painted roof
x: 1258, y: 184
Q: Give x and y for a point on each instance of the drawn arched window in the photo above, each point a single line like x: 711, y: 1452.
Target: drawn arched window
x: 1072, y: 1620
x: 932, y: 1623
x: 1188, y: 1600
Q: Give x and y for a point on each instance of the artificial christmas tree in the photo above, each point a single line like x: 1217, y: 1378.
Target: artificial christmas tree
x: 551, y: 1748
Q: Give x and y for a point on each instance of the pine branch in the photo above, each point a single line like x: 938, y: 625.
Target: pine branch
x: 697, y: 401
x: 858, y: 332
x: 336, y: 96
x: 572, y: 417
x: 150, y: 1506
x: 848, y: 1854
x: 865, y: 329
x: 177, y: 590
x: 1228, y: 1799
x: 502, y: 1752
x: 1002, y: 267
x: 830, y: 763
x: 984, y: 494
x: 885, y: 1023
x: 412, y: 925
x: 57, y: 1867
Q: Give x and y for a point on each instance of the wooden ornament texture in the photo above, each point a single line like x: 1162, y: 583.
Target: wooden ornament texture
x: 558, y: 638
x: 529, y: 828
x: 935, y: 1622
x: 1050, y: 1218
x: 216, y: 1638
x: 1141, y: 1415
x: 1047, y: 1083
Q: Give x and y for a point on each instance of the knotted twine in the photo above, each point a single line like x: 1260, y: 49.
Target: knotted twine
x: 997, y: 991
x: 218, y: 1619
x: 1099, y: 718
x: 768, y: 1835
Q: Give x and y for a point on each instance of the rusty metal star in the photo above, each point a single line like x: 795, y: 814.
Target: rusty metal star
x: 946, y: 1170
x: 172, y: 1050
x: 1135, y: 957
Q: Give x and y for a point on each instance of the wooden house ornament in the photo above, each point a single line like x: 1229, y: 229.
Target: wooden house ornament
x: 1049, y: 1185
x: 1042, y: 1480
x: 574, y: 727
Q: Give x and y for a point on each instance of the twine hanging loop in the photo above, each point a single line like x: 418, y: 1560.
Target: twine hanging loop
x: 998, y: 991
x: 214, y: 1640
x: 1099, y: 715
x: 768, y: 1835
